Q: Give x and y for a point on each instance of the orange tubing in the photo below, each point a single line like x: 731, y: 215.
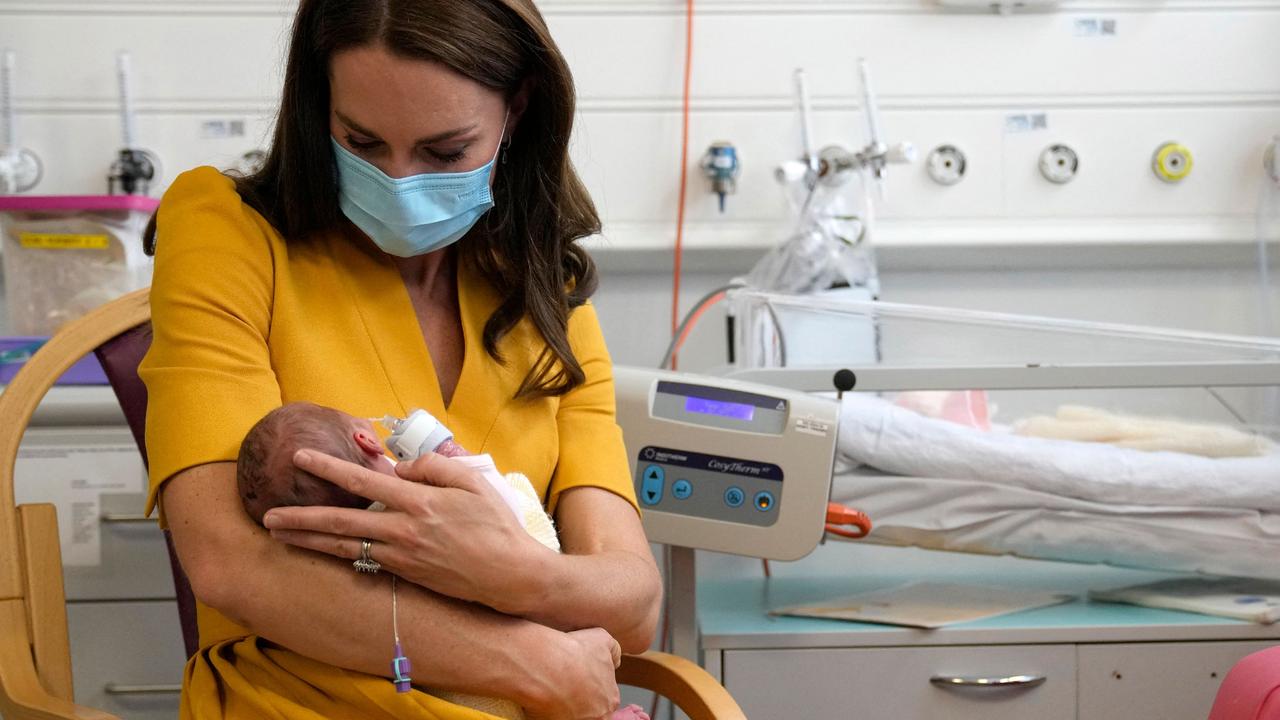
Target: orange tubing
x: 684, y: 173
x: 839, y: 515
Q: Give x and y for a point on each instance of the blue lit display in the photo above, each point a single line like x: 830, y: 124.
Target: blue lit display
x: 737, y: 411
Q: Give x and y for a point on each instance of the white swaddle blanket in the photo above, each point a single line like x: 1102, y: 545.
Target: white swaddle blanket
x: 874, y: 432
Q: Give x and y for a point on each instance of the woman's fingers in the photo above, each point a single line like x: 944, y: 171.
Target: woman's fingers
x: 350, y: 522
x: 357, y: 479
x: 440, y: 471
x: 336, y: 545
x: 347, y: 548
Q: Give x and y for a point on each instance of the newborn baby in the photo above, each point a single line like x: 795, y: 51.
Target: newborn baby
x: 267, y: 478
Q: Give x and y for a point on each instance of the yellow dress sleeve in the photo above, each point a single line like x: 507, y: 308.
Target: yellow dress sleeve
x: 208, y: 373
x: 591, y: 450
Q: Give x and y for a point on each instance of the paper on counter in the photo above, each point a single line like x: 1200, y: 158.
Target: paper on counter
x: 927, y: 604
x: 1241, y: 598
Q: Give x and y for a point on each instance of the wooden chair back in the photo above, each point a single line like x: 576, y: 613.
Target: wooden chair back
x: 35, y: 655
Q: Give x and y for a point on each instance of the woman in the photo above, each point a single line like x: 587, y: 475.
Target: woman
x: 359, y: 269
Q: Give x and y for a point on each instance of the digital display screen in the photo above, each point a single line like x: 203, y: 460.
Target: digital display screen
x: 722, y: 408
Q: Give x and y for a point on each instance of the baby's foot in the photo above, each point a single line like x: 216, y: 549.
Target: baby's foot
x: 630, y: 712
x: 449, y: 448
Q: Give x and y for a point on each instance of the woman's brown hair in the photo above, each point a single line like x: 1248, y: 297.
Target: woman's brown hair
x: 527, y: 247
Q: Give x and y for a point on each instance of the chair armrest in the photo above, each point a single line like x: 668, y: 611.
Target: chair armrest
x: 691, y: 688
x: 22, y: 696
x: 47, y: 707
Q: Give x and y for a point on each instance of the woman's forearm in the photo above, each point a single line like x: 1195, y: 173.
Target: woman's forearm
x: 286, y: 595
x: 615, y: 590
x: 452, y: 645
x: 606, y: 577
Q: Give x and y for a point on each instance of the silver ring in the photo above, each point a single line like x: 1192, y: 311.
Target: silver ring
x: 366, y: 564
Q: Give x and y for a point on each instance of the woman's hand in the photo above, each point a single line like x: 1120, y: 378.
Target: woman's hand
x: 444, y: 528
x: 585, y: 688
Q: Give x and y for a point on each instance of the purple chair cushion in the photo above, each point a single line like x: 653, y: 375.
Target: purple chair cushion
x: 120, y: 357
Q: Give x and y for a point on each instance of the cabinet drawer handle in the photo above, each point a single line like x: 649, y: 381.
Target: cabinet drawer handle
x: 109, y: 517
x: 1023, y: 681
x: 113, y: 688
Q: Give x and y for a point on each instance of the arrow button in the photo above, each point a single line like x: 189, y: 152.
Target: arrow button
x: 651, y: 487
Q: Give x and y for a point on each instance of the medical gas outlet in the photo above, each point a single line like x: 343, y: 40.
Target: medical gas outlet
x: 134, y: 168
x: 834, y: 165
x: 1172, y: 162
x: 720, y: 166
x: 1059, y: 164
x: 946, y: 165
x: 251, y: 161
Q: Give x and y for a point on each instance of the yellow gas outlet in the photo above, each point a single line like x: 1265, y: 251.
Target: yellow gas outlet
x: 1172, y: 162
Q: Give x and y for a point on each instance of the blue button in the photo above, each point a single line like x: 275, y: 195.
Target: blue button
x: 651, y: 488
x: 764, y: 501
x: 681, y: 489
x: 734, y: 496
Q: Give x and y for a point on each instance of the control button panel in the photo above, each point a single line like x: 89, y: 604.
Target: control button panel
x: 651, y: 487
x: 709, y: 486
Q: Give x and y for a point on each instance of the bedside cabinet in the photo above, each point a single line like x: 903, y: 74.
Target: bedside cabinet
x: 1076, y: 661
x: 127, y: 655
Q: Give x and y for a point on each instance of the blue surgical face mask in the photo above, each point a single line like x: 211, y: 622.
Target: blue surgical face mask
x: 411, y: 215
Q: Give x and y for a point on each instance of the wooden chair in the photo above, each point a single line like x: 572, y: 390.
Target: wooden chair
x: 35, y: 656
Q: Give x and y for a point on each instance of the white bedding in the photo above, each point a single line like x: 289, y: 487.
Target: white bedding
x: 897, y: 441
x: 982, y: 517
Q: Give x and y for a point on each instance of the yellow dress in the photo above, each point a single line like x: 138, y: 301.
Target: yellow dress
x: 244, y: 322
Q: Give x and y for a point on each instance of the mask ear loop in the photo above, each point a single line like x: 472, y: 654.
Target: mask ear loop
x: 500, y: 158
x: 504, y: 143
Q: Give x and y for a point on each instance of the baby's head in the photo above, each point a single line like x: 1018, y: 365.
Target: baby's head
x: 265, y: 471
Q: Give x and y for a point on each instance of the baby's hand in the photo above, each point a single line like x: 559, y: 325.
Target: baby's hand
x: 630, y: 712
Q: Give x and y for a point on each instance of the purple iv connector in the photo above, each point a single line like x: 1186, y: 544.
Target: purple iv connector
x: 400, y: 668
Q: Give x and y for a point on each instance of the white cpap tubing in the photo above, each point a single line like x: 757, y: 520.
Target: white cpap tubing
x: 9, y: 140
x: 1267, y: 225
x: 806, y: 120
x: 124, y: 79
x: 1268, y: 231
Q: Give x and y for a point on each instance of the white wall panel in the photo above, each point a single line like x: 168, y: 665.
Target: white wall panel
x: 77, y: 150
x: 69, y: 61
x: 942, y: 56
x: 616, y: 150
x: 1116, y: 149
x: 1201, y: 72
x: 634, y: 60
